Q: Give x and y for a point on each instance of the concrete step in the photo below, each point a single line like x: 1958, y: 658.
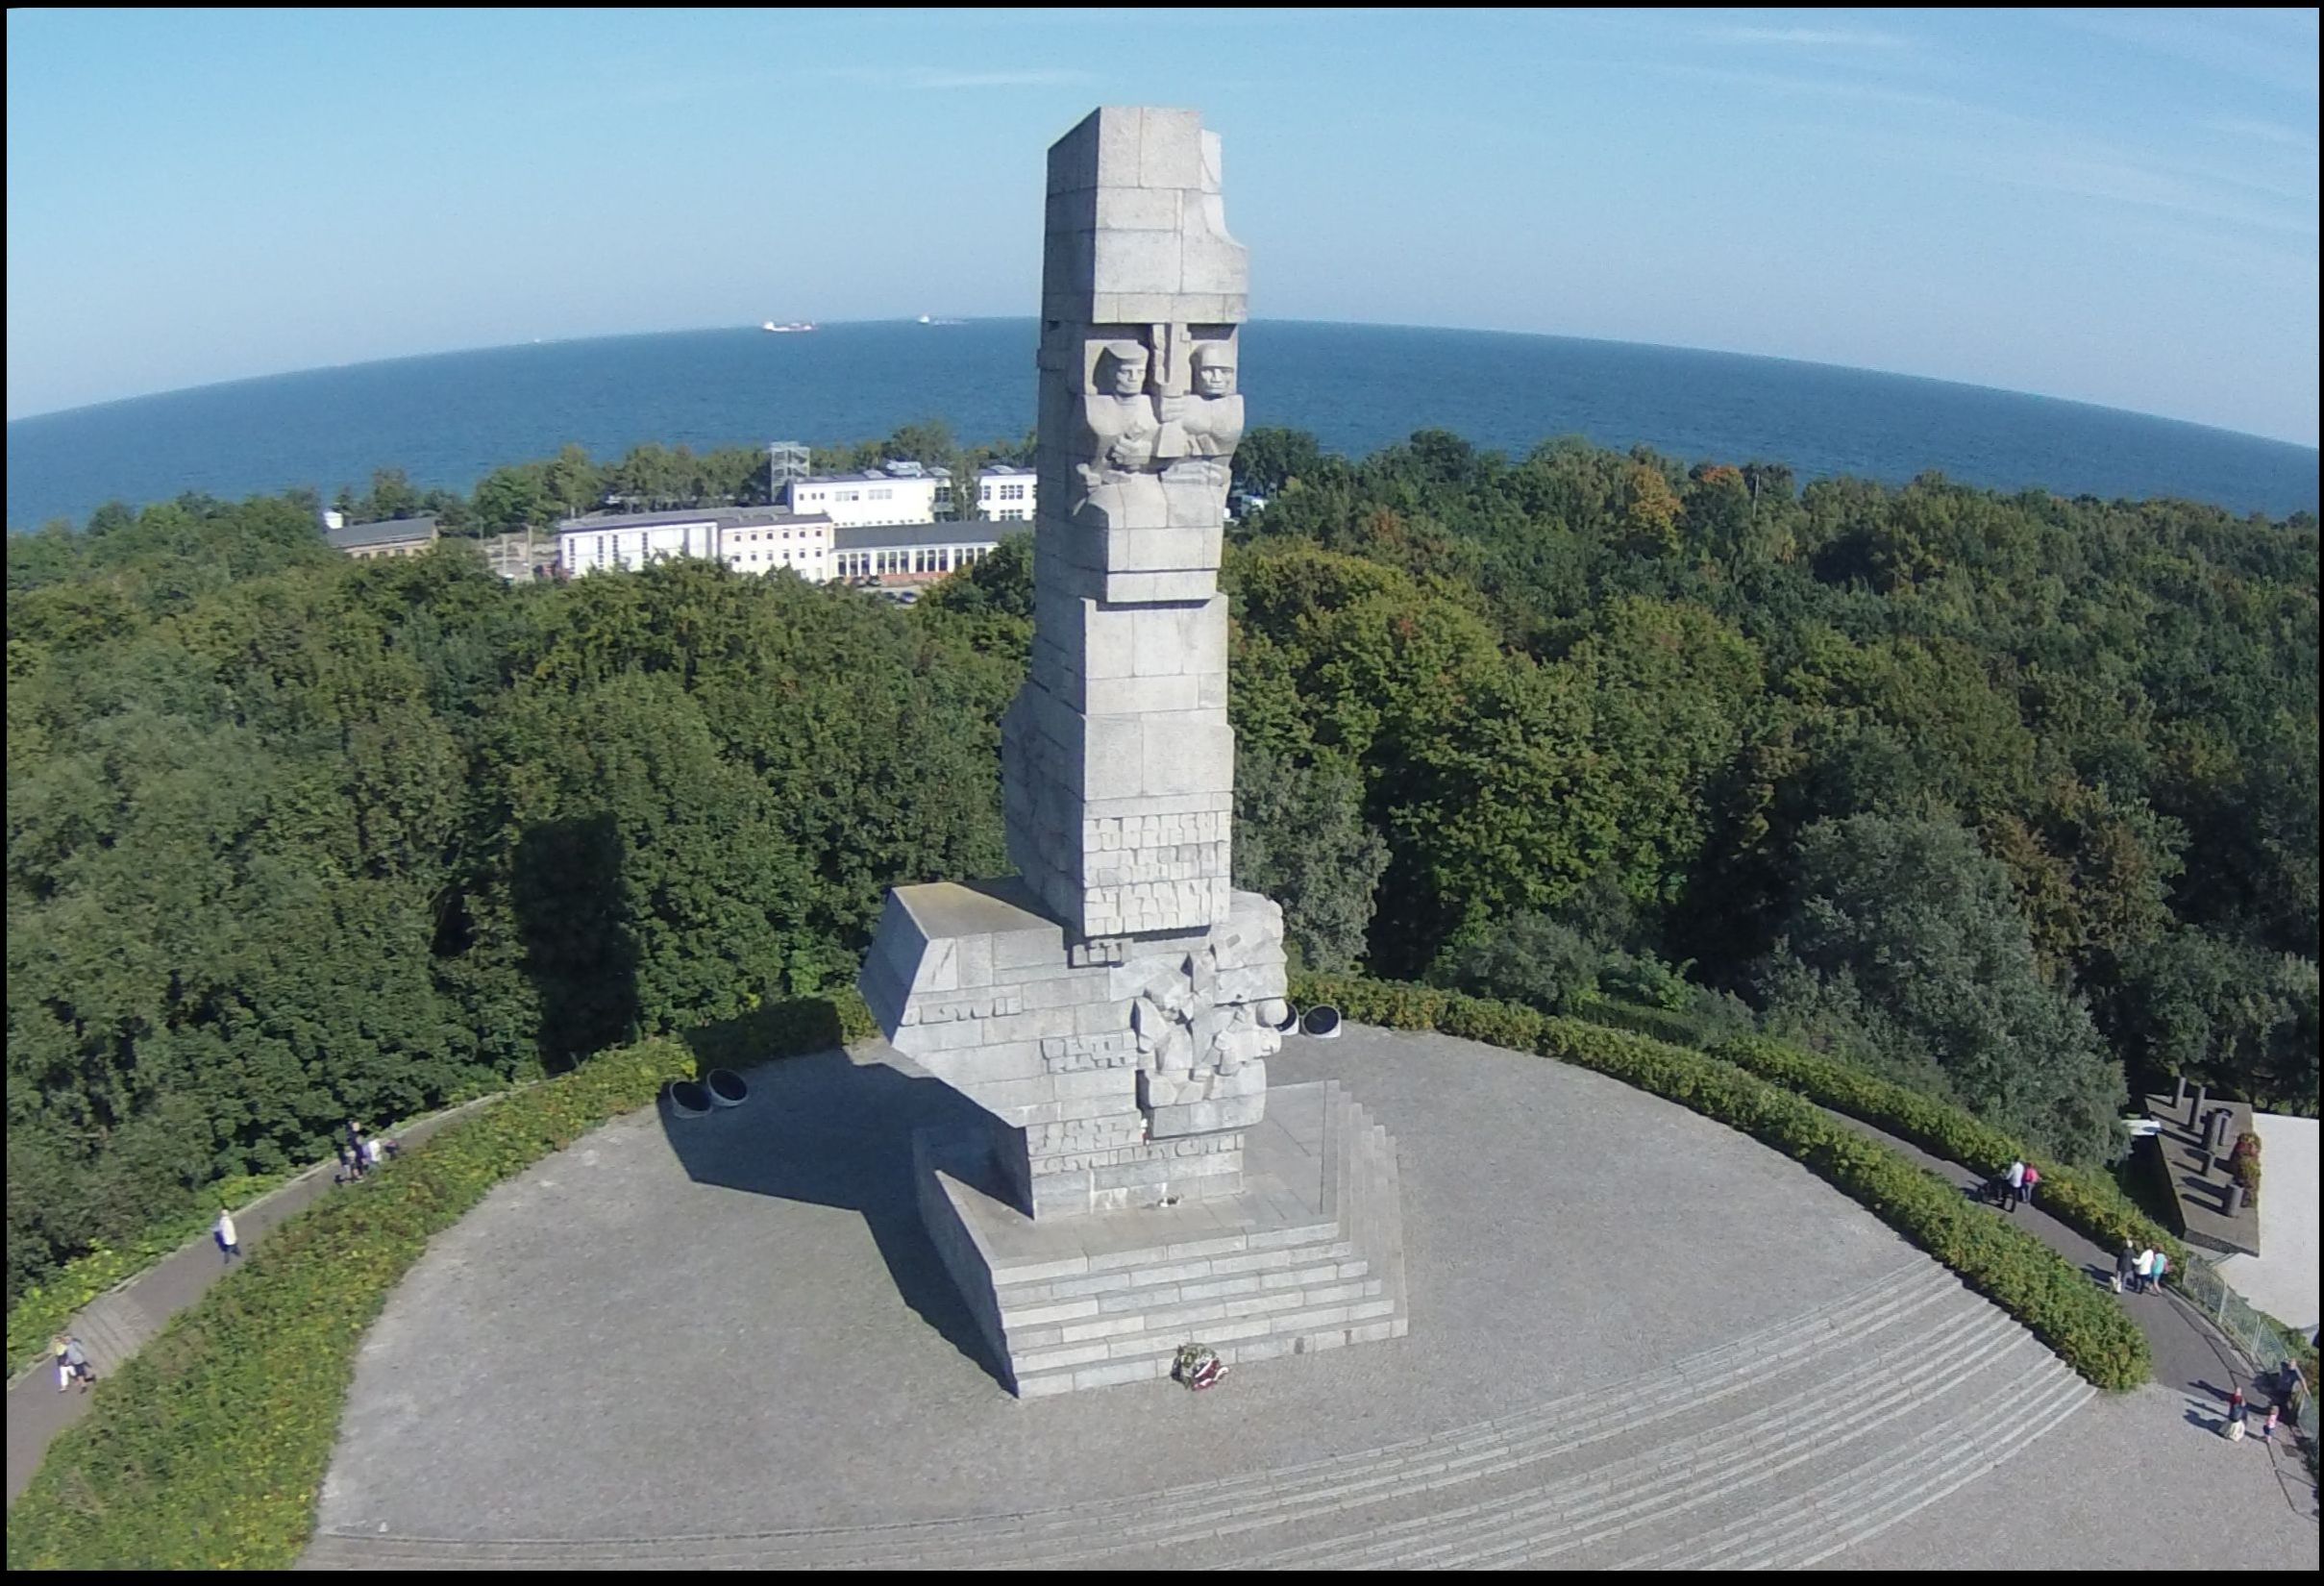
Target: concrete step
x: 1849, y: 1505
x: 1834, y: 1457
x: 1146, y: 1346
x: 1451, y: 1458
x: 1852, y: 1350
x: 1062, y: 1340
x: 1689, y: 1460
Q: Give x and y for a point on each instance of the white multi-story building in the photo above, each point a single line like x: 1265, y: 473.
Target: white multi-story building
x: 907, y: 492
x: 1005, y: 493
x: 749, y: 539
x: 853, y: 501
x: 771, y: 541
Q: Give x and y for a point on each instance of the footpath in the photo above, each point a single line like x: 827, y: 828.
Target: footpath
x: 122, y: 1320
x: 2191, y: 1359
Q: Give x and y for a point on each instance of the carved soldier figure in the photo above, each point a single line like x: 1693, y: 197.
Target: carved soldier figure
x: 1119, y: 433
x: 1200, y: 434
x: 1210, y: 419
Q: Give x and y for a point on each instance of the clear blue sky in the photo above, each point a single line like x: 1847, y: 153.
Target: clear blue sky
x: 2120, y: 208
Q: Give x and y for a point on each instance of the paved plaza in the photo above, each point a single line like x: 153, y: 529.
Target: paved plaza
x: 1637, y: 1336
x: 2281, y: 1279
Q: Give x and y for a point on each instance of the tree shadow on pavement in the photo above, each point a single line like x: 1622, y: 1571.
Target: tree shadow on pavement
x: 831, y: 1131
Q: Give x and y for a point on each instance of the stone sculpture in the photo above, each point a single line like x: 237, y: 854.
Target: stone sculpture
x: 1130, y: 1047
x: 1113, y: 1008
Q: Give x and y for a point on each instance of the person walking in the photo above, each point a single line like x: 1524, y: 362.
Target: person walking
x: 229, y: 1243
x: 2014, y: 1179
x: 2239, y: 1415
x: 2025, y: 1186
x: 2143, y: 1269
x: 2154, y: 1282
x: 72, y: 1362
x: 2126, y: 1267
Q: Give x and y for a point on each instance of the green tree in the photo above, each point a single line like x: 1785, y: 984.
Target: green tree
x: 1269, y: 459
x: 511, y: 500
x: 1913, y: 927
x: 1300, y: 838
x: 392, y: 496
x: 2238, y: 1018
x: 572, y: 483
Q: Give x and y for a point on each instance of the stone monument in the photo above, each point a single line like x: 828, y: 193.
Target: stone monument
x: 1113, y: 1008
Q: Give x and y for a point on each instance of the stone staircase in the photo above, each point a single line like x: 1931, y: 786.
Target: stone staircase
x: 1289, y: 1283
x: 1779, y: 1449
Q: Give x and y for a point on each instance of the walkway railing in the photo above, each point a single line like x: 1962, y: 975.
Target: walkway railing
x: 2244, y: 1326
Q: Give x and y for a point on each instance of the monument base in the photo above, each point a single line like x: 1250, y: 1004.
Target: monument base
x: 1307, y: 1256
x: 1119, y: 1073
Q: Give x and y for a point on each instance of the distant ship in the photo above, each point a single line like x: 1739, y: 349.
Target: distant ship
x: 926, y: 320
x: 784, y: 330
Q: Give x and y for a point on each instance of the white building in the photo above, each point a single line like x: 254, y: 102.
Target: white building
x: 769, y: 540
x: 855, y: 500
x: 1005, y: 493
x: 749, y: 539
x: 905, y: 555
x: 907, y: 492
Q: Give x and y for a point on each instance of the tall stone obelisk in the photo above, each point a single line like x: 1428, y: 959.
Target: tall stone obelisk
x: 1112, y: 1007
x: 1119, y: 763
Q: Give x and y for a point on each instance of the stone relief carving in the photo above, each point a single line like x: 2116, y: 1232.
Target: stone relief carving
x: 1204, y: 1022
x: 1119, y: 430
x: 1156, y: 430
x: 1200, y: 434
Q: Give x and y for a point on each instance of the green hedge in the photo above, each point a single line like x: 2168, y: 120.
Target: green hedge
x: 1661, y: 1024
x: 2089, y: 1203
x: 2034, y: 1283
x: 208, y: 1450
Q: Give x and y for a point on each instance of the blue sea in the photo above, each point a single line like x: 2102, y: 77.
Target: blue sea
x: 448, y: 420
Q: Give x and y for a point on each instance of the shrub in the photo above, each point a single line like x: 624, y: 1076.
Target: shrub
x: 1529, y: 958
x: 2089, y: 1201
x: 207, y: 1449
x: 2035, y: 1284
x: 1661, y: 1024
x: 1709, y: 1018
x: 1643, y: 979
x: 2244, y: 1165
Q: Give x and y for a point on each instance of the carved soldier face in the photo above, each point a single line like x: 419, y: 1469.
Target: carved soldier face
x: 1122, y: 370
x: 1214, y: 377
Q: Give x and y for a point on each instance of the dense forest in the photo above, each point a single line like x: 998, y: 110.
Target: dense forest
x: 2011, y: 797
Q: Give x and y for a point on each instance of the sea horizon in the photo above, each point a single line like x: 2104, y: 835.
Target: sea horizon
x: 1356, y: 386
